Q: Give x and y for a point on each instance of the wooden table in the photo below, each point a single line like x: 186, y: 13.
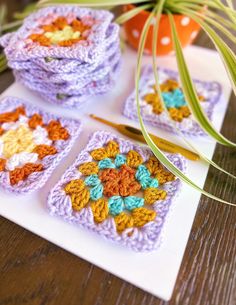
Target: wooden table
x: 36, y: 272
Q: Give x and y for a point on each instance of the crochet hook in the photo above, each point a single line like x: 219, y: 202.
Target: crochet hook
x: 136, y: 134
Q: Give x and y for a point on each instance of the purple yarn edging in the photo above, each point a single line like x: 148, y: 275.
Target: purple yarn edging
x: 75, y: 100
x: 79, y: 86
x: 16, y: 44
x: 63, y: 66
x: 38, y: 179
x: 188, y: 126
x: 146, y: 238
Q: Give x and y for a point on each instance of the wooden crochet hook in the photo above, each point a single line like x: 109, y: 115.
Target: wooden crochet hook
x: 136, y: 134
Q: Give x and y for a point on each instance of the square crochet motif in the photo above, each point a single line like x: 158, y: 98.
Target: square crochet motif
x: 32, y: 143
x: 119, y: 190
x: 152, y: 111
x: 60, y: 32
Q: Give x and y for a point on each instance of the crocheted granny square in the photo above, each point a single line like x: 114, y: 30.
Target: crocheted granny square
x: 60, y: 32
x: 39, y: 80
x: 32, y: 143
x: 152, y: 111
x: 119, y: 190
x: 76, y: 98
x: 68, y: 70
x: 64, y: 66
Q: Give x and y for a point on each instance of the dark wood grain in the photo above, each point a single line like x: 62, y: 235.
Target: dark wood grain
x: 36, y: 272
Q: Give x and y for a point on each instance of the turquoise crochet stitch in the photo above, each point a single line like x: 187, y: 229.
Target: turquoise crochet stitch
x: 96, y: 192
x: 174, y: 99
x: 92, y: 180
x: 133, y: 202
x: 106, y: 163
x: 144, y: 177
x: 120, y: 160
x: 116, y: 205
x: 142, y: 173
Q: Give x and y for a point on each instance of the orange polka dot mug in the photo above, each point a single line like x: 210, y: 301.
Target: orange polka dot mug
x: 187, y: 30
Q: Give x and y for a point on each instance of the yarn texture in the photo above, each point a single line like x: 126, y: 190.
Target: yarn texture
x: 113, y: 189
x: 152, y: 111
x: 32, y: 143
x: 66, y: 54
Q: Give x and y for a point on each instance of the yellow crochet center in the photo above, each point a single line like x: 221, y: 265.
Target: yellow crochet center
x: 66, y: 33
x: 17, y: 141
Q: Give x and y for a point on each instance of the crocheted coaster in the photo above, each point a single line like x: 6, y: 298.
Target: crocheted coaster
x: 32, y: 143
x: 76, y: 99
x: 65, y: 53
x: 50, y: 30
x: 40, y: 80
x: 119, y: 190
x: 62, y: 66
x: 153, y: 112
x: 82, y: 76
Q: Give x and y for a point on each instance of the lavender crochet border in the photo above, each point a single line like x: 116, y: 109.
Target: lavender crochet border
x: 64, y: 66
x: 81, y: 75
x: 38, y: 179
x: 75, y: 100
x: 188, y: 126
x: 42, y: 82
x: 146, y: 238
x: 15, y: 44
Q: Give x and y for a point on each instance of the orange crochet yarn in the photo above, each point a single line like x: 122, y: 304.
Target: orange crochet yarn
x: 2, y: 164
x: 120, y: 183
x: 13, y: 116
x: 45, y: 150
x: 56, y: 131
x: 22, y: 173
x: 119, y: 186
x: 35, y: 120
x: 19, y: 142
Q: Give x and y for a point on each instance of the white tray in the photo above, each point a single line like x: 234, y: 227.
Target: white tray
x: 154, y: 272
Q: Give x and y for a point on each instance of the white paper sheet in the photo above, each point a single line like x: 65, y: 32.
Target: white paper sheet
x: 154, y: 272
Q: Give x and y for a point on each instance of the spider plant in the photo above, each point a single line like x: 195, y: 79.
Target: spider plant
x: 212, y: 16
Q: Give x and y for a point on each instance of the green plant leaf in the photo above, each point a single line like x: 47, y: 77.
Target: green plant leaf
x: 191, y: 94
x: 227, y: 55
x: 157, y: 152
x: 130, y: 14
x: 173, y: 123
x: 3, y: 63
x: 90, y: 3
x: 29, y: 9
x: 3, y: 13
x: 11, y: 26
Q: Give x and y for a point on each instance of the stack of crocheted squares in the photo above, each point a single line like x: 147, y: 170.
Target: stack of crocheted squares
x: 66, y: 53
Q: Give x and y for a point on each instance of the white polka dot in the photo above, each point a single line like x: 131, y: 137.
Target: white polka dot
x: 185, y: 21
x: 194, y: 34
x: 135, y: 33
x: 165, y: 40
